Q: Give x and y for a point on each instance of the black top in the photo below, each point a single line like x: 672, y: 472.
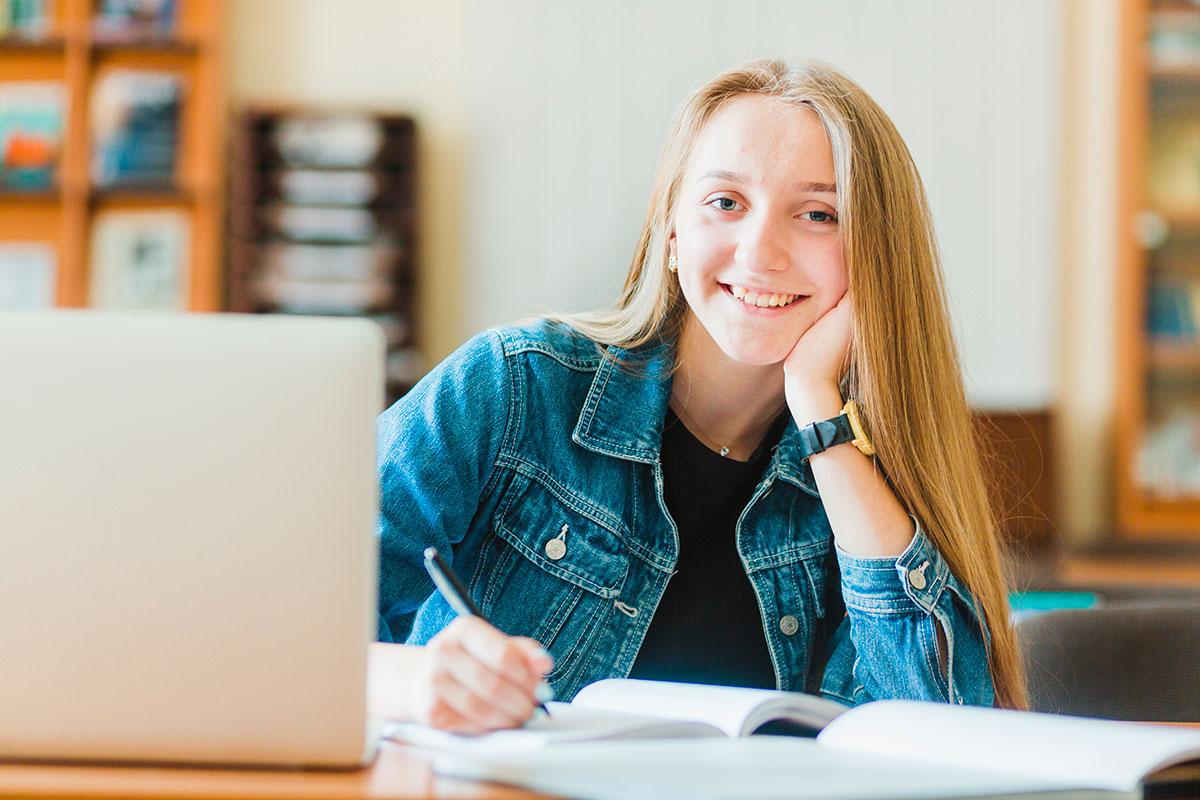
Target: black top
x: 708, y: 628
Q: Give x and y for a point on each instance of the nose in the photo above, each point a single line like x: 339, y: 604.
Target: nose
x: 762, y: 245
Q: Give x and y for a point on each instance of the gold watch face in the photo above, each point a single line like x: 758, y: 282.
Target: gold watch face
x: 862, y: 437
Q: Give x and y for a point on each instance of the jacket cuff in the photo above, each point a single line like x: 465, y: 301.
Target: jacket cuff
x: 895, y: 585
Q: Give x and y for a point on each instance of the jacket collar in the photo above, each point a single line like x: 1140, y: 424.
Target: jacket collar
x: 625, y: 407
x: 624, y: 410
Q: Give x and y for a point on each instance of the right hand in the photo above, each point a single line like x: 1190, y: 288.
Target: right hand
x: 471, y: 678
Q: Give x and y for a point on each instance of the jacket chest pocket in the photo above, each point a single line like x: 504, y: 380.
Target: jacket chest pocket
x: 556, y: 571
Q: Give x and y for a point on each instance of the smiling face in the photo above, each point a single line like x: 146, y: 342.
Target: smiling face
x: 756, y: 231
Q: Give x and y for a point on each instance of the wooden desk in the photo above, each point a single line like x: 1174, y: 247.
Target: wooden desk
x: 399, y: 773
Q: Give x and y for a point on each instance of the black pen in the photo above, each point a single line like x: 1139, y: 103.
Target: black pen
x: 451, y: 588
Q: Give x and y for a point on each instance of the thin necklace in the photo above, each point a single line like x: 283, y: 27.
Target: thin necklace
x: 691, y: 425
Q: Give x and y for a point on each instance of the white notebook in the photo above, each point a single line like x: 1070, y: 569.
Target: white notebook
x: 937, y: 749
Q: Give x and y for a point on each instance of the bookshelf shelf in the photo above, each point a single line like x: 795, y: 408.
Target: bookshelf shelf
x: 1158, y: 349
x: 1174, y: 356
x: 150, y: 44
x: 8, y: 195
x: 1181, y: 219
x: 148, y: 193
x: 143, y: 58
x: 1188, y: 74
x: 51, y: 45
x: 113, y: 124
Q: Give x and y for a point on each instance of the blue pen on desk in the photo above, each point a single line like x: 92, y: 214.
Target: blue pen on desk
x: 452, y: 589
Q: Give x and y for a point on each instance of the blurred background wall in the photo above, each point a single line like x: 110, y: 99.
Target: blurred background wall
x: 540, y: 125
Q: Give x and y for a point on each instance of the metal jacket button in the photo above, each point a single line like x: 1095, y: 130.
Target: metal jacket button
x: 916, y: 577
x: 556, y: 548
x: 788, y: 625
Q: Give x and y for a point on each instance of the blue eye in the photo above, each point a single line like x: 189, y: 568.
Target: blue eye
x: 819, y: 216
x: 724, y: 204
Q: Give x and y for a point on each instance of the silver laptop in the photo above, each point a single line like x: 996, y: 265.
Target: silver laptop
x: 187, y: 552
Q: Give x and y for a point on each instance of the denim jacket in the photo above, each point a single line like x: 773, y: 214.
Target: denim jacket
x: 532, y: 461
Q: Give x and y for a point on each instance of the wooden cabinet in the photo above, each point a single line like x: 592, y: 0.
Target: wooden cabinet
x: 1158, y: 293
x: 84, y: 48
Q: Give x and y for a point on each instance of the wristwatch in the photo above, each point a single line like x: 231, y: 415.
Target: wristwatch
x: 848, y: 426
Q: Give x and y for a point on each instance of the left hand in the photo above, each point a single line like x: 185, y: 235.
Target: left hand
x: 813, y: 370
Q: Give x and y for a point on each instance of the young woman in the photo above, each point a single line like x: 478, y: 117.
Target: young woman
x: 677, y: 487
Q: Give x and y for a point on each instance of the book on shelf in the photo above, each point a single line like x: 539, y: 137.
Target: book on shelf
x: 322, y: 224
x: 28, y: 19
x: 343, y: 187
x: 330, y: 262
x: 294, y: 296
x: 1168, y: 459
x: 27, y: 275
x: 31, y: 130
x: 1174, y: 40
x: 623, y: 738
x: 1164, y: 320
x: 135, y: 19
x: 1174, y: 163
x: 345, y: 141
x: 140, y: 260
x: 1173, y: 312
x: 135, y: 127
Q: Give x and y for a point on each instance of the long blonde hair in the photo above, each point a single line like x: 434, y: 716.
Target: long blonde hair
x: 903, y: 363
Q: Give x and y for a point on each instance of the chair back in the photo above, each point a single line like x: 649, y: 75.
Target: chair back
x: 1129, y: 660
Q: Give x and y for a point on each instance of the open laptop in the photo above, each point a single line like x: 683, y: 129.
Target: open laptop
x: 187, y: 549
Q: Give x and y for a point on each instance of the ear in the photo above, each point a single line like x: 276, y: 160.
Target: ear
x: 671, y: 244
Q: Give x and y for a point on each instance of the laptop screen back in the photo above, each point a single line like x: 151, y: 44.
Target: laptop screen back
x: 187, y: 552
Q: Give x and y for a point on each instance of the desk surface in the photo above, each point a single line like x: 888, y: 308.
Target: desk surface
x: 399, y: 773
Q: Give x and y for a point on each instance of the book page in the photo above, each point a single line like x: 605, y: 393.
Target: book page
x: 1088, y: 752
x: 735, y: 711
x: 751, y: 768
x: 566, y: 724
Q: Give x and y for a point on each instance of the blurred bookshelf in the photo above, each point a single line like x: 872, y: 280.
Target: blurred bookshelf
x: 1158, y: 369
x: 112, y: 123
x: 323, y: 217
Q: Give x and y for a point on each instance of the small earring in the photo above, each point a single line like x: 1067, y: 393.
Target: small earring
x: 672, y: 263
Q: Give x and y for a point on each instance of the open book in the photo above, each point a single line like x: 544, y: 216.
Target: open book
x: 885, y: 749
x: 620, y: 708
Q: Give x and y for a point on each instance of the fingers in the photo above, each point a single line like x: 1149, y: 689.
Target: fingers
x: 536, y: 658
x: 512, y: 658
x: 820, y: 352
x: 478, y: 679
x: 490, y: 696
x: 839, y: 316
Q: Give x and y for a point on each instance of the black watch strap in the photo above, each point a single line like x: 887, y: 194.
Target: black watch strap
x: 820, y: 436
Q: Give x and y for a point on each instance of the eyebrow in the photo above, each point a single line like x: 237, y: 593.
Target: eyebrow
x: 804, y: 186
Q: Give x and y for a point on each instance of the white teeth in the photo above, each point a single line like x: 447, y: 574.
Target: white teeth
x: 765, y: 300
